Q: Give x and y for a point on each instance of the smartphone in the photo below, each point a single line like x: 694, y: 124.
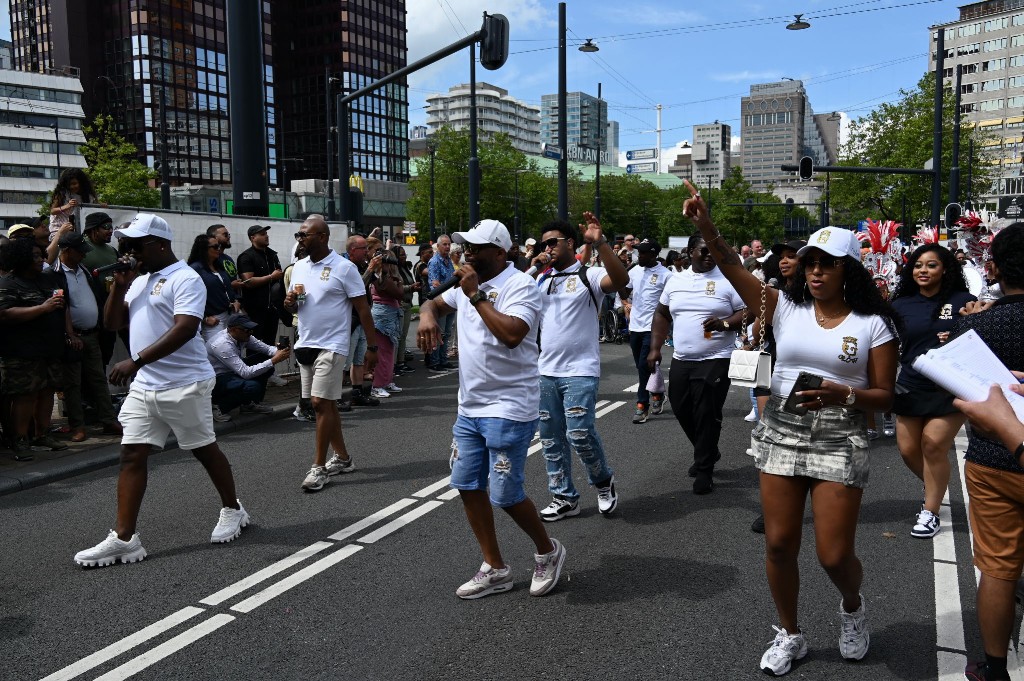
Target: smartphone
x: 804, y: 381
x: 283, y: 342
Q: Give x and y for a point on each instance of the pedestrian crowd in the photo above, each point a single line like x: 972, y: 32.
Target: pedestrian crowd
x: 842, y: 317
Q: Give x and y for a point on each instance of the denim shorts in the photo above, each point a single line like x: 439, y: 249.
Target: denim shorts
x: 356, y: 348
x: 491, y: 455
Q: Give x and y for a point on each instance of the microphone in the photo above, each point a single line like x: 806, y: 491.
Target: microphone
x: 445, y: 285
x: 773, y: 282
x: 119, y: 266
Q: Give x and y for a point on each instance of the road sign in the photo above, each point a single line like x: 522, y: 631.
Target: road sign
x: 633, y: 168
x: 551, y: 151
x: 1010, y: 207
x: 213, y: 204
x: 641, y: 154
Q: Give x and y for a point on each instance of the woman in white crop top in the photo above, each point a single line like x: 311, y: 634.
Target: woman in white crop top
x: 831, y: 322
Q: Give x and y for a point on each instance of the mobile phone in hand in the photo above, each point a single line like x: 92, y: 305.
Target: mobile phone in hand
x: 804, y: 381
x: 283, y: 342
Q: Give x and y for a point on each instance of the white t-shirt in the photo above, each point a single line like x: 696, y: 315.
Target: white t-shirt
x: 569, y: 330
x: 496, y: 381
x: 691, y: 298
x: 153, y: 300
x: 839, y: 355
x: 325, y: 319
x: 647, y: 284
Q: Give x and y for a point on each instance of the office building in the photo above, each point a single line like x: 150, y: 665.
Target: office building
x: 40, y: 133
x: 611, y: 142
x: 711, y: 155
x: 988, y: 42
x: 584, y: 114
x: 778, y: 127
x: 497, y: 111
x: 682, y: 166
x: 131, y: 53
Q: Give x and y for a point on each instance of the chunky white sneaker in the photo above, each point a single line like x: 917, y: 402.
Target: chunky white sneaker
x: 786, y: 648
x: 219, y: 416
x: 380, y: 393
x: 315, y: 479
x: 392, y: 388
x: 927, y: 525
x: 855, y: 637
x: 560, y: 508
x: 547, y: 568
x: 607, y: 499
x: 485, y: 582
x: 230, y: 524
x: 752, y: 416
x: 336, y: 465
x: 277, y: 381
x: 112, y: 550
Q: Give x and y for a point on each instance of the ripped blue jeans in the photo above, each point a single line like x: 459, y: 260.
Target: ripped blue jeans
x: 567, y: 425
x: 491, y: 455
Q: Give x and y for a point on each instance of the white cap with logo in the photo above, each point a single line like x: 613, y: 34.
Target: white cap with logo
x: 485, y: 232
x: 145, y: 224
x: 834, y: 241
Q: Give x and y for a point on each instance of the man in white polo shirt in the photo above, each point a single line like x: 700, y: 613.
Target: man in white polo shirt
x: 570, y: 364
x: 498, y: 309
x: 330, y: 289
x: 646, y: 283
x: 171, y: 388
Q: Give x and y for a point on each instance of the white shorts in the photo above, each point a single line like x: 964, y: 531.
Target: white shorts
x: 148, y: 416
x: 324, y: 377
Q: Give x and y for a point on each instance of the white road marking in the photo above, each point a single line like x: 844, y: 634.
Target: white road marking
x: 949, y: 618
x: 293, y: 580
x: 449, y: 495
x: 371, y: 519
x: 125, y: 644
x: 600, y: 403
x: 633, y: 388
x: 610, y: 408
x: 430, y: 489
x: 400, y: 522
x: 266, y: 573
x: 151, y: 657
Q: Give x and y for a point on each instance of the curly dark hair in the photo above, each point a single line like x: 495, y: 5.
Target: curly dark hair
x: 952, y: 276
x: 564, y: 228
x: 63, y: 188
x: 198, y: 253
x: 17, y: 255
x: 771, y: 270
x: 1008, y: 255
x: 859, y: 292
x: 670, y: 257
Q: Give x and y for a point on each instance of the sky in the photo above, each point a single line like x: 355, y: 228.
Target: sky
x: 696, y: 58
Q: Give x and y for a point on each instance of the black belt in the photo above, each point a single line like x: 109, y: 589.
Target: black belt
x: 86, y: 332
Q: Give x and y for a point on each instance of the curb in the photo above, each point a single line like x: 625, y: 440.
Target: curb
x: 110, y: 455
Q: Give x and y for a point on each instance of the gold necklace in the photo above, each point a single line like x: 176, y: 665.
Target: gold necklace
x: 822, y: 318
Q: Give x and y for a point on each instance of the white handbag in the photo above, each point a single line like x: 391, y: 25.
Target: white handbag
x: 752, y: 368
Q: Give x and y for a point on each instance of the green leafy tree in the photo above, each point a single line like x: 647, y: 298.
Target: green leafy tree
x: 113, y: 166
x: 899, y: 135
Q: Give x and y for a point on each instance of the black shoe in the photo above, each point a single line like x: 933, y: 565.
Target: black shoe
x: 693, y: 467
x: 758, y: 524
x: 437, y: 368
x: 22, y: 449
x: 361, y: 400
x: 702, y: 484
x: 449, y: 366
x: 344, y: 406
x: 404, y: 369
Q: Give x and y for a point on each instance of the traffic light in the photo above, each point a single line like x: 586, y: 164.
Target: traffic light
x: 355, y: 205
x: 952, y: 214
x: 750, y: 205
x: 806, y: 167
x: 494, y: 45
x: 789, y: 206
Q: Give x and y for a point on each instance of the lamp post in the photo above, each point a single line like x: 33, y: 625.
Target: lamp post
x: 330, y: 81
x: 432, y: 148
x: 517, y: 230
x: 600, y: 150
x: 284, y: 179
x: 56, y: 137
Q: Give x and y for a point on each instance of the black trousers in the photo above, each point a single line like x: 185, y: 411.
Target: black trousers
x: 697, y: 392
x: 268, y: 321
x: 640, y: 344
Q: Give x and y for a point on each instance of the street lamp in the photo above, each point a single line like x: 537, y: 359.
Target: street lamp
x: 515, y: 205
x: 798, y: 24
x: 432, y: 148
x: 330, y: 81
x: 589, y: 46
x: 56, y: 137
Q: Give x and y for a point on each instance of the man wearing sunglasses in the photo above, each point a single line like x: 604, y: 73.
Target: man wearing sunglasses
x: 171, y: 384
x: 629, y: 245
x: 646, y: 283
x: 570, y: 364
x: 498, y: 311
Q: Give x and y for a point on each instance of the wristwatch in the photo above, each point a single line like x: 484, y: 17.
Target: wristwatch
x: 851, y: 398
x: 725, y: 325
x: 477, y: 297
x: 137, y: 358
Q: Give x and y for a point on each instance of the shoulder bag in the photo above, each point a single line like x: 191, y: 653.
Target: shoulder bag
x: 753, y: 368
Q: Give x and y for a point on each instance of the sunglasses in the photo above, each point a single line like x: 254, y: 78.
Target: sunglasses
x: 825, y: 262
x: 552, y: 242
x: 137, y: 246
x: 703, y: 251
x: 299, y: 236
x: 473, y: 249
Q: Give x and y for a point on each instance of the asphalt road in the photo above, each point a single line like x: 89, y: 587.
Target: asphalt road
x: 672, y: 585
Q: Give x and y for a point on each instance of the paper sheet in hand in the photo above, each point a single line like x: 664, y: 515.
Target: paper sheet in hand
x: 967, y: 367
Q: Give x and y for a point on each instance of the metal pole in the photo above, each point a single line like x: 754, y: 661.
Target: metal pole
x: 658, y: 167
x: 330, y: 146
x: 165, y: 186
x: 600, y: 149
x: 563, y: 128
x: 970, y: 168
x: 284, y: 182
x: 954, y: 170
x: 940, y: 61
x: 474, y: 162
x: 824, y: 204
x: 433, y: 214
x: 341, y: 109
x: 903, y: 219
x: 56, y: 137
x: 515, y: 209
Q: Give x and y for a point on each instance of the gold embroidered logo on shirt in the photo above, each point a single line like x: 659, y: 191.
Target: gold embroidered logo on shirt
x: 570, y: 284
x: 946, y: 312
x: 709, y: 288
x: 654, y: 279
x: 325, y: 274
x: 158, y: 288
x: 492, y: 296
x: 849, y: 350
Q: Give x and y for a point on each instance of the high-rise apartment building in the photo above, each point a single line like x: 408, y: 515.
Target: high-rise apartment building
x: 988, y: 41
x: 778, y: 126
x: 584, y: 114
x: 497, y: 111
x: 132, y: 52
x: 711, y: 154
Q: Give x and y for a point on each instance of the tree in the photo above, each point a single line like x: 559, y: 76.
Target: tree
x: 113, y: 166
x: 899, y: 135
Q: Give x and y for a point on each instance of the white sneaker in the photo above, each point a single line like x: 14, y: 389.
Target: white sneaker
x: 855, y: 637
x: 392, y: 388
x: 560, y: 508
x: 257, y: 408
x: 276, y: 380
x: 786, y: 647
x: 485, y: 582
x: 230, y: 524
x: 380, y: 393
x: 336, y: 465
x: 752, y: 416
x: 927, y: 525
x: 315, y: 479
x: 547, y: 568
x: 888, y: 425
x: 607, y: 499
x: 112, y: 550
x: 219, y: 416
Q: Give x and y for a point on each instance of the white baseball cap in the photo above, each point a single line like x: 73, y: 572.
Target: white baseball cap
x: 145, y: 224
x: 834, y: 241
x: 531, y: 241
x: 485, y: 232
